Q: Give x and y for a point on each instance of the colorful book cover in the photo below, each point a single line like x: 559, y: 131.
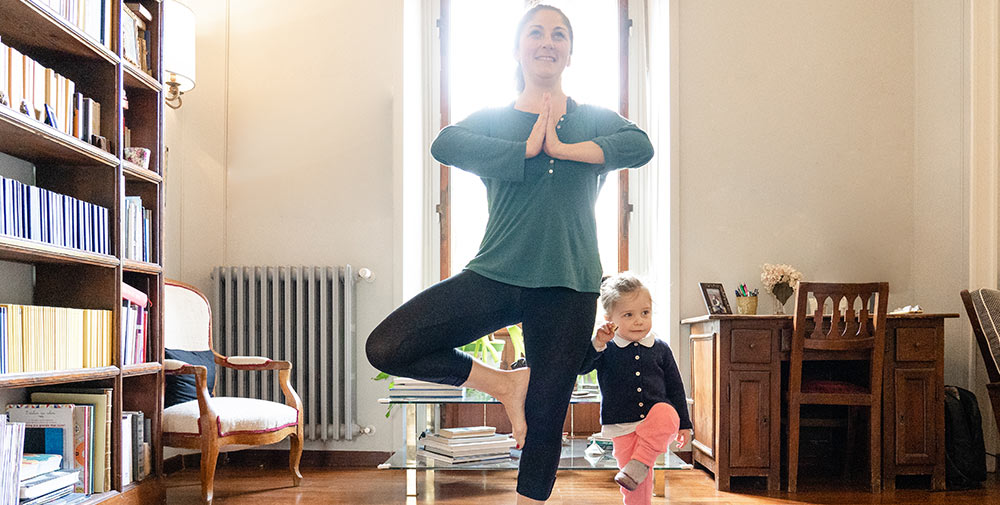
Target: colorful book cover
x: 83, y: 443
x: 48, y: 428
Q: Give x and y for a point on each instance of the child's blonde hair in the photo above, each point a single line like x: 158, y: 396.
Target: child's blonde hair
x: 613, y: 287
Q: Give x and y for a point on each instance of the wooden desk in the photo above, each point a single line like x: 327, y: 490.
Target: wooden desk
x: 736, y: 389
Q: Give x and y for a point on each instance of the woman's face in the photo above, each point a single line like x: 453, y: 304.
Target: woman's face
x: 544, y: 45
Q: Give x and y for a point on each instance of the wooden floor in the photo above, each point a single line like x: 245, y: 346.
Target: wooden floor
x: 246, y: 486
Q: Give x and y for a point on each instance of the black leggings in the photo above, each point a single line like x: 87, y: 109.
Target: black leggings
x: 419, y: 338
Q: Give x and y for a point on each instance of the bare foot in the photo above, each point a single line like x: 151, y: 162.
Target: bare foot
x: 513, y: 403
x: 509, y: 387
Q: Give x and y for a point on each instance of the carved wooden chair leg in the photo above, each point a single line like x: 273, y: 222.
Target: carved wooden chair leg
x: 209, y: 457
x: 295, y: 456
x: 875, y: 448
x: 793, y: 446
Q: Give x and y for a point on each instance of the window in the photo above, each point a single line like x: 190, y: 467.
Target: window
x: 477, y: 44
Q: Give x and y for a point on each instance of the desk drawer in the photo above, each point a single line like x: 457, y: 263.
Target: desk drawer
x: 915, y: 344
x: 751, y: 346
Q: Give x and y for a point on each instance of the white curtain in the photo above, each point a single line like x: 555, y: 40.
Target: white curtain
x: 652, y: 223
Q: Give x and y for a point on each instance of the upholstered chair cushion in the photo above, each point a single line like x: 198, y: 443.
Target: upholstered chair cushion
x: 235, y: 415
x: 181, y: 388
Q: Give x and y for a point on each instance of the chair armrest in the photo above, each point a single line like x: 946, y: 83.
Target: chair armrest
x: 284, y: 369
x: 252, y: 363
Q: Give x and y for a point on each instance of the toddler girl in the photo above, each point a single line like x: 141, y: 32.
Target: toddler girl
x: 643, y: 406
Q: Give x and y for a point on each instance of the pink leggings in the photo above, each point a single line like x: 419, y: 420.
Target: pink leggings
x: 650, y: 439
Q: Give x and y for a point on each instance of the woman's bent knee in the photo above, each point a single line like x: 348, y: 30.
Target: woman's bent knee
x: 382, y: 350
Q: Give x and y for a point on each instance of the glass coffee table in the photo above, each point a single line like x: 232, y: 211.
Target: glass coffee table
x: 573, y: 456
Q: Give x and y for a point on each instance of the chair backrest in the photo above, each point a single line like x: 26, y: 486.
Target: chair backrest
x: 187, y: 318
x: 983, y: 307
x: 857, y: 328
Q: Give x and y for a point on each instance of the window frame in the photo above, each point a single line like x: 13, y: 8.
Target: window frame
x: 443, y: 208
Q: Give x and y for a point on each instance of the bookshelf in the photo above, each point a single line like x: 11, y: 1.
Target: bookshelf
x: 64, y: 164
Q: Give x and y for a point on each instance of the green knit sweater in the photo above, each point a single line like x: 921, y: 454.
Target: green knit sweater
x: 542, y: 231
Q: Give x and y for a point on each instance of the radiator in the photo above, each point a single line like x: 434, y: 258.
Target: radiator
x: 304, y: 315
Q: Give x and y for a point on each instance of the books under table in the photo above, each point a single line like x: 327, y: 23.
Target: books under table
x: 404, y: 387
x: 466, y: 449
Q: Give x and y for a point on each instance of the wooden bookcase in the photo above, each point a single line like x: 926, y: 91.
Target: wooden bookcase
x: 66, y: 277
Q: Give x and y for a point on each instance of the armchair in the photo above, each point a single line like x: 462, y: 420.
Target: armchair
x: 209, y: 423
x: 983, y: 307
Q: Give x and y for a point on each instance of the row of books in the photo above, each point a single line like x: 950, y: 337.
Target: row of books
x: 92, y: 17
x: 47, y: 96
x: 11, y: 451
x: 135, y: 325
x: 474, y: 444
x: 74, y: 423
x: 136, y: 38
x: 137, y: 226
x: 34, y: 213
x: 38, y: 339
x: 403, y: 387
x: 136, y: 452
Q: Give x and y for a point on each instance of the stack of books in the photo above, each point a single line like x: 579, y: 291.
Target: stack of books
x: 474, y: 444
x: 404, y: 387
x: 54, y: 487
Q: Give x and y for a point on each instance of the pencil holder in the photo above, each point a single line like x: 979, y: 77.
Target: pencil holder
x: 746, y: 305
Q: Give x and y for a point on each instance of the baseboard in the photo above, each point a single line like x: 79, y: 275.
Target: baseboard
x: 279, y: 459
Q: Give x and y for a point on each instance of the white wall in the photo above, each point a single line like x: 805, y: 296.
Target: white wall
x: 283, y: 154
x: 825, y: 134
x: 796, y: 143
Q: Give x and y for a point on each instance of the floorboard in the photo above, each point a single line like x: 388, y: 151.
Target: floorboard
x: 236, y: 485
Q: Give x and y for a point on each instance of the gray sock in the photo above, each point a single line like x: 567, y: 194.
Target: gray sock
x: 636, y: 469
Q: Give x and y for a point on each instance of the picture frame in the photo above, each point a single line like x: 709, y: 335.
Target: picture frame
x: 715, y: 298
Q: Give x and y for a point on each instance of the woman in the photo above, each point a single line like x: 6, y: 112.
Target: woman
x: 543, y: 160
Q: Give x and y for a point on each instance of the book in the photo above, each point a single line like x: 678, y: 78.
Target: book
x: 468, y: 431
x: 140, y: 10
x: 49, y: 497
x: 125, y: 449
x: 4, y: 84
x: 469, y: 447
x: 486, y: 458
x: 138, y: 428
x: 37, y: 464
x: 11, y: 451
x: 404, y: 387
x: 46, y: 483
x: 48, y: 429
x: 100, y: 399
x: 83, y: 447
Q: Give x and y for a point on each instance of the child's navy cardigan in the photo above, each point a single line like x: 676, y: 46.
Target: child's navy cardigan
x: 631, y: 385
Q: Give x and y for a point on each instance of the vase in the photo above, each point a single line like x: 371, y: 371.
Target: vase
x: 779, y: 308
x: 781, y: 292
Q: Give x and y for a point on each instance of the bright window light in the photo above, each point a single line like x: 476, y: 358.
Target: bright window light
x: 482, y: 66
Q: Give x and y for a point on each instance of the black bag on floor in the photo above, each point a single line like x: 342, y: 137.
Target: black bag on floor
x: 965, y: 451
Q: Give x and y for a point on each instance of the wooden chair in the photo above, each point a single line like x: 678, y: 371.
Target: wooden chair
x: 983, y: 306
x: 210, y: 423
x: 854, y: 335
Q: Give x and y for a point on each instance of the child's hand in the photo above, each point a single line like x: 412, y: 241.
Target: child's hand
x: 682, y: 438
x: 604, y: 334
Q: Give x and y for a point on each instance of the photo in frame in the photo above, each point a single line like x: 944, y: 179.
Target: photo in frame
x: 715, y: 298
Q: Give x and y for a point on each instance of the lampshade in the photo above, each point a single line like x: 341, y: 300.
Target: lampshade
x: 178, y: 45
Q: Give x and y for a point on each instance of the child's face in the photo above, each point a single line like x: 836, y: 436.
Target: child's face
x: 633, y: 314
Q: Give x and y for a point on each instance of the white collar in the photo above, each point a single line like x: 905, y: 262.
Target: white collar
x: 646, y: 341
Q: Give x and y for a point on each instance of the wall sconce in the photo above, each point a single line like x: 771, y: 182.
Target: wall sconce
x: 178, y: 51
